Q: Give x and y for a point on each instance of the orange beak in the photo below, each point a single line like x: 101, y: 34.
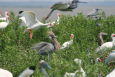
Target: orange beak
x: 8, y: 14
x: 71, y: 36
x: 51, y: 24
x: 9, y: 18
x: 99, y: 60
x: 1, y: 13
x: 25, y: 51
x: 60, y: 15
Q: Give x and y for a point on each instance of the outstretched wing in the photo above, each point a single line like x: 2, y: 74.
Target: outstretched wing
x: 29, y: 17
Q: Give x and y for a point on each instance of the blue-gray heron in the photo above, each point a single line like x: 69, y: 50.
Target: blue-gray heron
x: 94, y: 12
x: 97, y: 24
x: 64, y: 6
x: 46, y: 48
x: 42, y: 65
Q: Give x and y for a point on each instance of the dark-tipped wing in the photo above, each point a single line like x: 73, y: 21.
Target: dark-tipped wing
x: 38, y: 45
x: 47, y: 49
x: 60, y: 5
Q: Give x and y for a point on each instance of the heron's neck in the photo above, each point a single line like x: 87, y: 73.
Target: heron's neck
x: 44, y: 71
x: 101, y: 39
x: 8, y: 21
x: 56, y: 44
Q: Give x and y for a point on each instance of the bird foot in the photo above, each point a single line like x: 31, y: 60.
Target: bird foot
x: 31, y: 35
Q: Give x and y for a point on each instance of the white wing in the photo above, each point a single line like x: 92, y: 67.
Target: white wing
x: 29, y: 17
x: 23, y: 19
x: 111, y: 74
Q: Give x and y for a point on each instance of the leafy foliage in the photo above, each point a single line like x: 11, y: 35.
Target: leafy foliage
x: 14, y: 42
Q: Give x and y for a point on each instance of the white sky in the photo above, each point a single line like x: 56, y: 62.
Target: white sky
x: 53, y: 0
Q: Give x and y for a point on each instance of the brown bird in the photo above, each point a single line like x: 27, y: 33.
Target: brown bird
x: 46, y: 48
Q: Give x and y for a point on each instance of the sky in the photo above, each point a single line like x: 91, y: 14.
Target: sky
x: 52, y: 0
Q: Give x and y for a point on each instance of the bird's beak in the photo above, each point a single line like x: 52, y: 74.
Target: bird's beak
x: 100, y: 60
x: 8, y: 14
x: 49, y: 66
x: 60, y: 15
x: 71, y: 36
x: 1, y: 14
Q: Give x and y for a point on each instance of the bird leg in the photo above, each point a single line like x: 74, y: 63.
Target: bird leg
x: 30, y: 33
x: 2, y: 33
x: 48, y: 15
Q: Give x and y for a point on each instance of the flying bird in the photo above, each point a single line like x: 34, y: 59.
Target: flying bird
x: 64, y: 6
x: 46, y: 48
x: 94, y: 12
x: 26, y: 73
x: 31, y: 21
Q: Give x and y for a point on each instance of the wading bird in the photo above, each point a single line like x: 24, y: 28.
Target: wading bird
x: 6, y: 15
x: 97, y: 24
x: 26, y: 73
x: 101, y: 39
x: 94, y: 12
x: 110, y: 58
x: 68, y: 43
x: 78, y: 61
x: 64, y: 6
x: 55, y: 22
x: 42, y: 65
x: 98, y: 60
x: 107, y: 44
x: 4, y: 24
x: 31, y: 21
x: 46, y: 48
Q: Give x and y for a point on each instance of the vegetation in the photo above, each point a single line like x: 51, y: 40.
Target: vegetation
x: 14, y: 43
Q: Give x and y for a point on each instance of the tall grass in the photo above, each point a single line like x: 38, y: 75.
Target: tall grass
x: 14, y: 42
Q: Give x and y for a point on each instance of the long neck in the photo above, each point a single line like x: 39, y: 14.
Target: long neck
x: 43, y: 70
x: 8, y: 21
x: 58, y: 19
x: 56, y: 44
x: 101, y: 39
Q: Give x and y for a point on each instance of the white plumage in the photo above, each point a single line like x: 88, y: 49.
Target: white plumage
x: 26, y: 73
x: 78, y: 61
x: 94, y: 12
x: 55, y: 22
x: 110, y: 58
x: 107, y: 44
x: 68, y: 43
x: 111, y: 74
x: 6, y: 15
x: 31, y: 21
x: 4, y: 24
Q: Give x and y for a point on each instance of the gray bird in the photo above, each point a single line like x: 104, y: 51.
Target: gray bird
x: 97, y: 24
x: 42, y: 65
x: 46, y: 48
x: 94, y: 12
x: 64, y: 6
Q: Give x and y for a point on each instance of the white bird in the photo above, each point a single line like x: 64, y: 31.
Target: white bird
x: 110, y: 58
x: 94, y: 12
x: 107, y: 44
x: 1, y: 14
x: 68, y: 43
x: 101, y: 39
x: 98, y: 60
x: 55, y: 22
x: 4, y: 24
x: 31, y: 21
x: 42, y: 65
x: 26, y: 73
x: 111, y: 74
x: 6, y: 15
x: 78, y: 61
